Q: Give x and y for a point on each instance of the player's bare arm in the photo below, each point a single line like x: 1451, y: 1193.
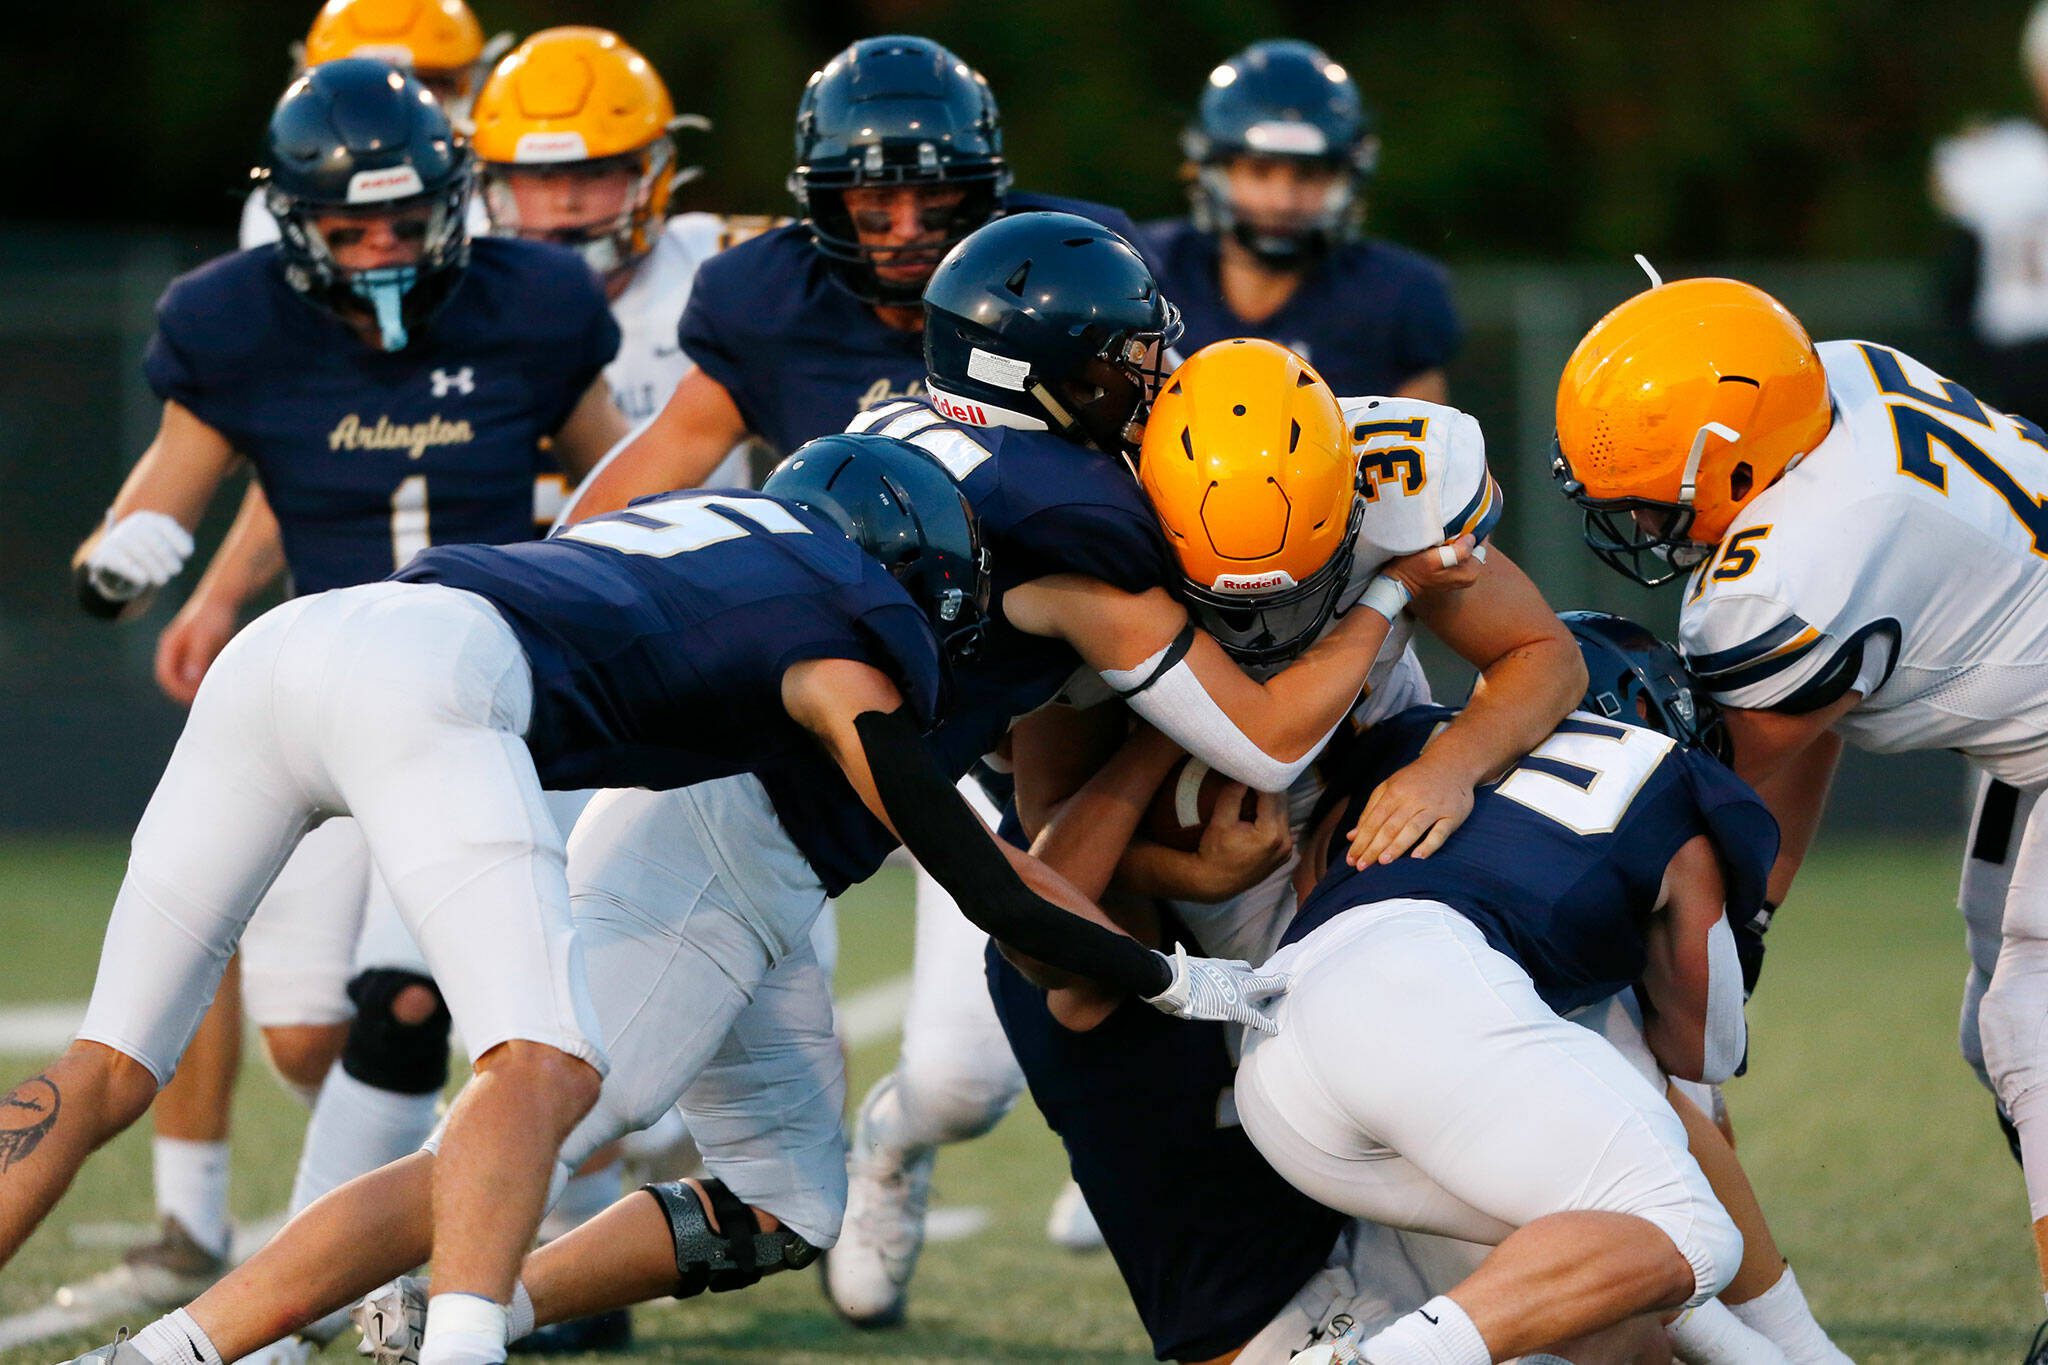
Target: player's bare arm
x: 1530, y: 676
x: 1692, y: 986
x: 147, y: 534
x: 1790, y: 760
x: 678, y: 448
x: 1059, y: 753
x: 593, y: 427
x: 249, y: 559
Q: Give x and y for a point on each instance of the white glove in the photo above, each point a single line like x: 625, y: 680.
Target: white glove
x: 1219, y: 989
x: 141, y: 551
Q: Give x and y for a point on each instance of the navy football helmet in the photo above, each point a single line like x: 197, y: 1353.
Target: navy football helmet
x: 1635, y: 677
x: 1048, y: 321
x: 358, y: 137
x: 1286, y: 99
x: 894, y: 111
x: 898, y: 503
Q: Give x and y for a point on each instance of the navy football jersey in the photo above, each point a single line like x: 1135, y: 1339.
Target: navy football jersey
x: 799, y: 354
x: 368, y: 456
x: 658, y: 635
x: 1370, y: 316
x: 1209, y: 1239
x: 1562, y: 859
x: 1045, y: 506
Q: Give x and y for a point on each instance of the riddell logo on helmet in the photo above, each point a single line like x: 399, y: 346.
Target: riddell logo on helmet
x: 372, y: 187
x: 958, y: 410
x: 558, y: 146
x: 1253, y: 582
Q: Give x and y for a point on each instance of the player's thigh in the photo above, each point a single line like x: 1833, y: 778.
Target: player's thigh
x: 433, y: 703
x: 674, y: 937
x: 767, y: 1109
x: 299, y: 950
x: 1421, y: 1038
x: 225, y: 815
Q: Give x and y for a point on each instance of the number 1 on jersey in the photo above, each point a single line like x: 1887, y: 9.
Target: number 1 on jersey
x: 410, y: 527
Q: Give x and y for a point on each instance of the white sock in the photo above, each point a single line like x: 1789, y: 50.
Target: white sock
x: 174, y: 1339
x: 355, y: 1129
x: 192, y: 1187
x: 583, y: 1198
x: 1711, y: 1334
x: 1438, y: 1333
x: 519, y: 1317
x: 463, y: 1329
x: 1782, y: 1315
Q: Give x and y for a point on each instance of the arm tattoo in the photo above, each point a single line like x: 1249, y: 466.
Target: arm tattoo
x: 27, y: 1113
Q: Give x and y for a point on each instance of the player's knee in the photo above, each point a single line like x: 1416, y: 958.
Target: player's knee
x: 399, y: 1040
x: 559, y: 1086
x: 735, y: 1254
x: 303, y: 1053
x: 2012, y: 1019
x: 948, y: 1104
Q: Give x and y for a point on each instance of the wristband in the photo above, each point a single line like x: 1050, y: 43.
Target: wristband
x: 1388, y: 596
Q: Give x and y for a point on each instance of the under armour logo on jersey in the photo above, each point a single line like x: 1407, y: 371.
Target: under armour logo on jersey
x: 461, y: 381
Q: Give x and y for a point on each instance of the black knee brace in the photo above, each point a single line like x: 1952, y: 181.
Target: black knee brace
x: 732, y: 1259
x: 409, y: 1059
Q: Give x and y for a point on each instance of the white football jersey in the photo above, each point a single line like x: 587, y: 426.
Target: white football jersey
x: 1994, y: 181
x: 650, y: 362
x: 1906, y: 558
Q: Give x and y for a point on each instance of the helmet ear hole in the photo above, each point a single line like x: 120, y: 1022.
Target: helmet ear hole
x: 1740, y: 480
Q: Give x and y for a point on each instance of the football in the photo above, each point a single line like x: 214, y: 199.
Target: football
x: 1181, y: 808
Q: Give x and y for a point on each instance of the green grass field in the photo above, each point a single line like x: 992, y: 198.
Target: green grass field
x: 1872, y: 1146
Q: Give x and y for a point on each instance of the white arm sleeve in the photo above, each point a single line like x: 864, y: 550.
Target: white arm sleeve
x: 1727, y: 1033
x: 1174, y: 702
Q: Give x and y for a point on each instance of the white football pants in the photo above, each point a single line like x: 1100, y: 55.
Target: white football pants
x: 1419, y: 1081
x: 695, y: 912
x: 402, y: 705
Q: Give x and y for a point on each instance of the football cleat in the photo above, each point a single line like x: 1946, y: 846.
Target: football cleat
x: 293, y: 1350
x: 393, y: 1319
x: 155, y: 1276
x: 1071, y: 1223
x: 867, y: 1272
x: 119, y: 1351
x: 611, y: 1331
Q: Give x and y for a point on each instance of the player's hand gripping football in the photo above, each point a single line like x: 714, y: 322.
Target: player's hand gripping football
x: 1237, y: 854
x: 1413, y: 811
x: 1219, y: 989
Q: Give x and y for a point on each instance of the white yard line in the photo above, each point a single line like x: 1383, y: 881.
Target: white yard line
x: 867, y: 1016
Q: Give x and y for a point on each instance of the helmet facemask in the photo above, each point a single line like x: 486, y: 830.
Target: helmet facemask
x: 1644, y: 539
x: 1290, y: 243
x: 398, y: 298
x: 1104, y: 403
x: 1268, y: 629
x: 608, y: 245
x: 823, y: 196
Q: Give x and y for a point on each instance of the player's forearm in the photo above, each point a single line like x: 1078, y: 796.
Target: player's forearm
x: 1317, y: 691
x: 250, y: 557
x: 1797, y: 794
x: 1516, y: 703
x: 1088, y: 833
x: 1002, y: 891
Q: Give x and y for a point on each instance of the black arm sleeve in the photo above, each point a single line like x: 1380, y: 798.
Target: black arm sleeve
x: 942, y: 833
